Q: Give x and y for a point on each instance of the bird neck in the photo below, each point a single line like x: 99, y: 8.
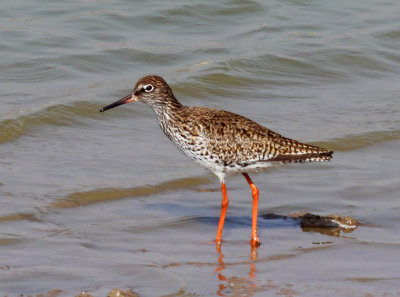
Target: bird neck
x: 166, y: 109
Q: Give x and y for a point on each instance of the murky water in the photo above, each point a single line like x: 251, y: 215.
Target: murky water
x: 91, y: 201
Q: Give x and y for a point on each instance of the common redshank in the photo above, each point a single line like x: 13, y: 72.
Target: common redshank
x: 223, y: 142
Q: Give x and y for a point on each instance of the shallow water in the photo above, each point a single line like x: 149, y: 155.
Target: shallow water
x: 93, y: 201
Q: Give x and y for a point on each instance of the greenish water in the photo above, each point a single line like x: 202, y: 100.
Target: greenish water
x: 92, y: 201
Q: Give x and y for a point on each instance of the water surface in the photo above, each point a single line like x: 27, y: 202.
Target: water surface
x: 92, y: 201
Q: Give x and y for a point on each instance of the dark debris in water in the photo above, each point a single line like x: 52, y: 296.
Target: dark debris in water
x: 113, y: 293
x: 329, y: 221
x: 327, y: 224
x: 119, y: 293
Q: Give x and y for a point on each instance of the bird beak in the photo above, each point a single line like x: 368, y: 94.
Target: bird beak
x: 121, y: 101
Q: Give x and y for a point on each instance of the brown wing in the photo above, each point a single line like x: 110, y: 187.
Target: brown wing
x: 237, y: 138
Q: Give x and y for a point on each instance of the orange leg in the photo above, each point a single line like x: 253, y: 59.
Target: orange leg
x: 224, y: 207
x: 254, y: 191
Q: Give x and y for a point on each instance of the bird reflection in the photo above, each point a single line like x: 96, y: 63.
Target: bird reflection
x: 235, y: 283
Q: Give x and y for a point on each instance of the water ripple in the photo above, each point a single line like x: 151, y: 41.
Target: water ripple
x: 57, y: 115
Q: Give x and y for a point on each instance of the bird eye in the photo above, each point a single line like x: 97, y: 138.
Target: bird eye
x: 148, y: 88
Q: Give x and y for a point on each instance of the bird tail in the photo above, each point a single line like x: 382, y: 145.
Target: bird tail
x: 324, y: 155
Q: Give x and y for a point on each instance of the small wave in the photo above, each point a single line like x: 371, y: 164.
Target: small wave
x: 110, y: 194
x: 58, y: 115
x: 355, y: 142
x: 78, y: 199
x: 18, y: 217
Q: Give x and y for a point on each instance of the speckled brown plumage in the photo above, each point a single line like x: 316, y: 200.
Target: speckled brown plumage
x: 222, y: 141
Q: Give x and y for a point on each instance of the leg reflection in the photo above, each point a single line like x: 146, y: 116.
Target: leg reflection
x: 231, y: 285
x: 253, y: 258
x: 221, y: 266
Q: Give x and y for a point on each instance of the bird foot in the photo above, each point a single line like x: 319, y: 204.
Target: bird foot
x: 255, y: 242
